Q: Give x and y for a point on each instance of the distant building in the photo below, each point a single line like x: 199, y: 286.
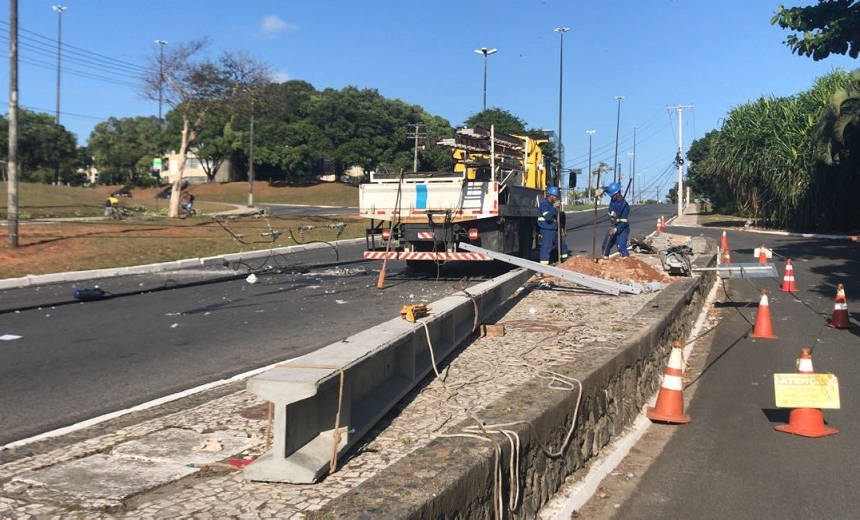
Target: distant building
x: 194, y: 172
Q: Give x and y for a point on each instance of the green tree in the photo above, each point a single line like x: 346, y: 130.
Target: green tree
x: 838, y: 135
x: 193, y: 87
x: 829, y: 27
x: 503, y: 121
x: 122, y: 149
x: 700, y: 179
x: 764, y: 158
x: 42, y: 146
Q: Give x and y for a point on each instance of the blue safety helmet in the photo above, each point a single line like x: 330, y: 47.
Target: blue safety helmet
x: 554, y: 191
x: 612, y: 189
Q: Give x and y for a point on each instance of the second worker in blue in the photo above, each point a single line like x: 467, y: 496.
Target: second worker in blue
x: 548, y: 217
x: 619, y: 231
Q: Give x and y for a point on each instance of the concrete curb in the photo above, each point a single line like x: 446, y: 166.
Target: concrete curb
x: 189, y: 263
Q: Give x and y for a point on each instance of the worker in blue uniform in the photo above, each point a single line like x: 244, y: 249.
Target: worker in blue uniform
x: 548, y: 217
x: 619, y: 231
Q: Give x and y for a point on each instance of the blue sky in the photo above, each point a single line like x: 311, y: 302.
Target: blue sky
x: 709, y: 56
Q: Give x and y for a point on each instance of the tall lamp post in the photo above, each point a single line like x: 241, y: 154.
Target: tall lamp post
x: 590, y: 135
x: 161, y: 44
x: 632, y: 157
x: 560, y: 31
x: 486, y: 52
x: 617, y: 125
x: 60, y: 10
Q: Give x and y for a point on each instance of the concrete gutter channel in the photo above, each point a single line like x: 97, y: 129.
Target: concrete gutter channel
x: 418, y: 462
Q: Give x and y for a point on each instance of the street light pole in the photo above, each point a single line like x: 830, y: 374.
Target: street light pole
x: 486, y: 52
x: 161, y: 44
x: 617, y: 125
x: 590, y: 134
x: 632, y: 157
x: 560, y: 31
x: 60, y: 10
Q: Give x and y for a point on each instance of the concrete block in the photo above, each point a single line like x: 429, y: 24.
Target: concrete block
x: 327, y: 400
x: 180, y: 446
x: 99, y: 481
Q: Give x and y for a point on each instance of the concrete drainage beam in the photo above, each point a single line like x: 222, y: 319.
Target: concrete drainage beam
x: 327, y: 400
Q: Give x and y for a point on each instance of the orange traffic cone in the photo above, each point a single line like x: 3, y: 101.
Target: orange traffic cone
x: 763, y: 327
x: 840, y: 310
x: 662, y: 222
x: 659, y: 226
x: 788, y: 284
x: 762, y: 255
x: 808, y: 422
x: 670, y: 401
x: 724, y: 256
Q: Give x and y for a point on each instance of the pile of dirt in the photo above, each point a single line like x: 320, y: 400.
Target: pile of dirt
x: 617, y: 269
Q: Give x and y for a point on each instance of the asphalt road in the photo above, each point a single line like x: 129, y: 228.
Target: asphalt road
x: 164, y: 333
x: 729, y: 462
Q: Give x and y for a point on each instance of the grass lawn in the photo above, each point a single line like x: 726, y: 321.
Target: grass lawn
x: 92, y: 242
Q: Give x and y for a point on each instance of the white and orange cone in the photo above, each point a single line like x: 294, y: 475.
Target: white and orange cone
x: 659, y: 226
x: 724, y: 255
x: 669, y: 407
x: 839, y: 320
x: 763, y: 328
x: 807, y: 422
x: 788, y: 283
x: 762, y: 255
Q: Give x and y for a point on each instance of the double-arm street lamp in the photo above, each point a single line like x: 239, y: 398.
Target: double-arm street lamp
x: 486, y: 52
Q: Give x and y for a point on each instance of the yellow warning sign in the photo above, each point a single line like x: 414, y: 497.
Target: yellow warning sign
x: 806, y: 390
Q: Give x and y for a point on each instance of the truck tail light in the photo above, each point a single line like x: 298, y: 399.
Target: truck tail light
x: 386, y: 234
x: 473, y: 234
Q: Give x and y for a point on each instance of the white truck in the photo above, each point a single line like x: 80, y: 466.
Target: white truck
x: 489, y: 200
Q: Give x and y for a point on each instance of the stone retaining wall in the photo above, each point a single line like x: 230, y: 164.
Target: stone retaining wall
x: 457, y: 477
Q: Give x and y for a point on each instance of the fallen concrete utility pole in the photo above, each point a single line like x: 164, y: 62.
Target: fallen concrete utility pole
x: 599, y: 284
x: 750, y: 270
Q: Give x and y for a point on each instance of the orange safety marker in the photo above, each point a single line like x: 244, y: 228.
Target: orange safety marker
x: 840, y: 310
x: 762, y: 255
x: 808, y: 422
x: 659, y: 226
x: 788, y: 284
x: 670, y: 401
x: 662, y: 222
x: 724, y: 243
x: 763, y: 326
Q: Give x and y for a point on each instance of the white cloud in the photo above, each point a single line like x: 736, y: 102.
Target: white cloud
x: 273, y: 25
x: 281, y: 77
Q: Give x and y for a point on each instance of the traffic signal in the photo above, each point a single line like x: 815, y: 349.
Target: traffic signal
x: 571, y: 177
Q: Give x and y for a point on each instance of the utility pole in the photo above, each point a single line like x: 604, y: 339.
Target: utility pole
x: 12, y: 159
x: 590, y: 173
x: 161, y: 44
x: 560, y: 31
x: 615, y: 176
x: 633, y: 165
x: 60, y: 10
x: 416, y: 134
x: 679, y: 159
